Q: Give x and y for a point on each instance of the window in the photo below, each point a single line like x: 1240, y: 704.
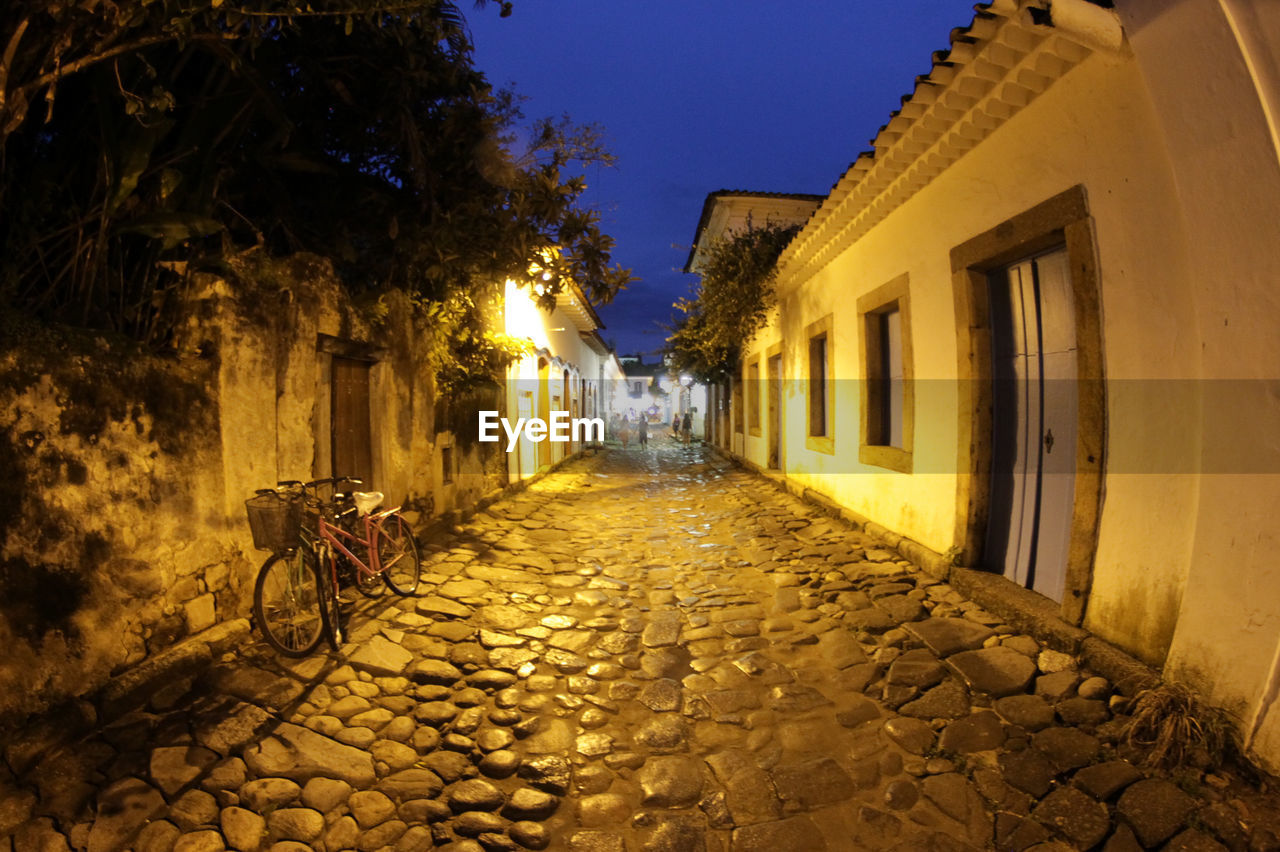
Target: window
x: 736, y: 404
x: 818, y: 386
x: 446, y: 465
x: 887, y: 390
x: 821, y: 404
x: 753, y: 397
x: 884, y: 377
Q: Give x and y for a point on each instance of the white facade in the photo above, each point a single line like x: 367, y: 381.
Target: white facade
x: 570, y: 370
x: 1128, y: 159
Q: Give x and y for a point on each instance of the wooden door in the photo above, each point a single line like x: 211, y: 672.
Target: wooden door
x: 350, y: 424
x: 1034, y: 422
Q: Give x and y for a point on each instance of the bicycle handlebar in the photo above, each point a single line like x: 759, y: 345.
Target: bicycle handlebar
x: 311, y: 490
x: 333, y: 480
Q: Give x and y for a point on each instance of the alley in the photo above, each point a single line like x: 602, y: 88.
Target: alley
x: 647, y: 650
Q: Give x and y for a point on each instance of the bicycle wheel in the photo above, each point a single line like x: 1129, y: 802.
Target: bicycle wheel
x: 398, y: 553
x: 333, y: 628
x: 286, y: 603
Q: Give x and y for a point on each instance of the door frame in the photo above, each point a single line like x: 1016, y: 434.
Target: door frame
x: 329, y: 347
x: 542, y: 410
x: 1062, y: 220
x: 774, y: 446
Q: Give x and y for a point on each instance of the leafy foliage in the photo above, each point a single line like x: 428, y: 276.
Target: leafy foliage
x: 472, y: 353
x: 731, y: 304
x: 175, y: 134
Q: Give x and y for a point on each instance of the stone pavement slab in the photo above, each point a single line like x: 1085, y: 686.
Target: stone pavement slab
x: 644, y: 651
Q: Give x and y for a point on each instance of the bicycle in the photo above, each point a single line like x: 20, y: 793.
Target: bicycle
x: 348, y: 526
x: 296, y: 602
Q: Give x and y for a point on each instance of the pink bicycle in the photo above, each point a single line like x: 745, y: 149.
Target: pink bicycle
x: 317, y: 543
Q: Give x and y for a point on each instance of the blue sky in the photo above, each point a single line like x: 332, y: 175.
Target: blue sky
x: 702, y: 95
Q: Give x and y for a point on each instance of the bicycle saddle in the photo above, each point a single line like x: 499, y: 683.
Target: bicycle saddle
x: 366, y: 501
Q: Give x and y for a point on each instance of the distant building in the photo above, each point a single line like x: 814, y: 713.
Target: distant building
x: 732, y: 211
x: 726, y: 213
x: 571, y: 369
x: 655, y: 392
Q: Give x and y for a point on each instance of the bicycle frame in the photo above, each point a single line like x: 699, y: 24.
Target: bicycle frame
x: 331, y: 533
x: 322, y: 533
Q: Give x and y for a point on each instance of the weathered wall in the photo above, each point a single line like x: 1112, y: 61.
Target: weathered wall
x: 1212, y: 72
x: 122, y: 525
x: 115, y: 541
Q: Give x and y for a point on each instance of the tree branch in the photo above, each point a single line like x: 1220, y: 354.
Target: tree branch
x: 52, y: 77
x: 87, y: 61
x: 9, y: 52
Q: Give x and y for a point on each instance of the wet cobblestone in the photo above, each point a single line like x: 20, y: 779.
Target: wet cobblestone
x: 648, y: 650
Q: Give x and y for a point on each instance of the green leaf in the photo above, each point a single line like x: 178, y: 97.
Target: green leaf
x: 169, y: 180
x: 132, y: 158
x: 172, y: 229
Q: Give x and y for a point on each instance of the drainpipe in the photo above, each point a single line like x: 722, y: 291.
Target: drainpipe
x: 1088, y: 25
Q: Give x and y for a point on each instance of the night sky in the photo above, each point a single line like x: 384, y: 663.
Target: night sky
x: 696, y: 96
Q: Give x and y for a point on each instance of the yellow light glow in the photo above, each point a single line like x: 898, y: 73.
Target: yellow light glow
x: 523, y: 319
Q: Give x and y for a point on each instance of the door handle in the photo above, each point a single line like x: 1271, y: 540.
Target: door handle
x: 1048, y: 442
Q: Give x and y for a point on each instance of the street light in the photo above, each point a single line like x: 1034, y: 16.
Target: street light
x: 686, y: 383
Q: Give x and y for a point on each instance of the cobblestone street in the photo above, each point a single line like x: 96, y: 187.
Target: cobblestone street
x: 647, y: 650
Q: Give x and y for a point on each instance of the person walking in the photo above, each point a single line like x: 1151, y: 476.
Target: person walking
x: 686, y: 427
x: 642, y: 431
x: 624, y: 431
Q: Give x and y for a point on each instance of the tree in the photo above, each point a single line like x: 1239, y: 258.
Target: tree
x: 732, y: 302
x: 173, y: 135
x: 47, y: 41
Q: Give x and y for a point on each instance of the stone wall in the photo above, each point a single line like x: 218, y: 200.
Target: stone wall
x: 122, y: 527
x: 114, y: 542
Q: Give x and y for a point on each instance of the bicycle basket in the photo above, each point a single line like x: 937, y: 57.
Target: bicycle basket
x: 275, y: 520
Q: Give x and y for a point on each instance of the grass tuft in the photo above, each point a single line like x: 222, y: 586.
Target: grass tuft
x: 1175, y: 729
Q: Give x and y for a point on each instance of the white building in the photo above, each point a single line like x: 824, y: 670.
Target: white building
x: 570, y: 370
x: 1034, y: 332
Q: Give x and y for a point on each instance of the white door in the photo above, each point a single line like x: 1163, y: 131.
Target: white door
x: 1034, y: 422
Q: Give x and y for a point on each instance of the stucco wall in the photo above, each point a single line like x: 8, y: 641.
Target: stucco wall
x: 1094, y: 127
x: 1174, y: 143
x: 555, y: 338
x: 1211, y: 69
x: 122, y: 528
x: 115, y: 540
